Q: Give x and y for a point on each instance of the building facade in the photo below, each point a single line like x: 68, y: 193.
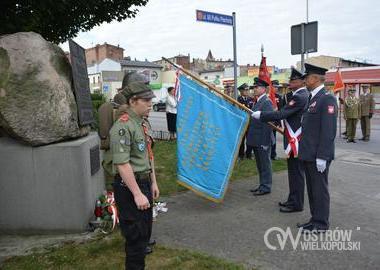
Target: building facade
x: 331, y: 62
x: 98, y: 53
x: 151, y: 70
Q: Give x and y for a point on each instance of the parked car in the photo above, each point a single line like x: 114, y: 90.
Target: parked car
x: 159, y: 106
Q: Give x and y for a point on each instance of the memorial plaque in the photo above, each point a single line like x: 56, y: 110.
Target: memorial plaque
x: 81, y: 83
x: 94, y: 159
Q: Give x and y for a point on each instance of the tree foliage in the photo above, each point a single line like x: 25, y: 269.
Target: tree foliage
x: 59, y: 20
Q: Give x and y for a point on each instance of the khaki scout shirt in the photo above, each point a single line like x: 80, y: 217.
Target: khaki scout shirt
x: 367, y: 104
x: 128, y: 143
x: 351, y: 108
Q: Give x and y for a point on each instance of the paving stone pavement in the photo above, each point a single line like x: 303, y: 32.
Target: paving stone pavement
x: 235, y: 229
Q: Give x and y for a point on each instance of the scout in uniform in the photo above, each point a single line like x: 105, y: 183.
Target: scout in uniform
x: 367, y: 107
x: 351, y: 114
x: 292, y: 114
x: 317, y: 148
x: 247, y: 101
x: 135, y: 184
x: 260, y: 137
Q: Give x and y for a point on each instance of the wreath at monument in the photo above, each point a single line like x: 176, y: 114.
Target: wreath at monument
x: 106, y: 214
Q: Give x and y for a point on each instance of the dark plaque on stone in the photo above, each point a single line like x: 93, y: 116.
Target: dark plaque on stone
x: 81, y: 84
x: 94, y: 159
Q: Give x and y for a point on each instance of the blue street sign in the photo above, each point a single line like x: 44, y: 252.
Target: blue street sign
x: 205, y: 16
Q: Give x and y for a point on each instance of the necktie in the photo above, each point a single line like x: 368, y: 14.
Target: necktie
x: 308, y: 102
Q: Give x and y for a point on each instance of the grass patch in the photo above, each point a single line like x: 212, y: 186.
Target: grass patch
x: 165, y: 156
x: 108, y: 253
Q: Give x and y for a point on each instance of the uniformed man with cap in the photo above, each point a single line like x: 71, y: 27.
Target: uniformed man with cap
x: 317, y: 147
x: 260, y: 137
x: 367, y: 107
x: 292, y: 114
x: 247, y: 101
x: 276, y: 85
x: 351, y: 112
x: 135, y: 184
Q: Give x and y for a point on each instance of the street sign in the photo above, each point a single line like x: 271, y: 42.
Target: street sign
x: 309, y: 40
x: 210, y: 17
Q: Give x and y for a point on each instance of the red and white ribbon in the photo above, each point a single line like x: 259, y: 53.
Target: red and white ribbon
x: 112, y: 208
x: 293, y: 139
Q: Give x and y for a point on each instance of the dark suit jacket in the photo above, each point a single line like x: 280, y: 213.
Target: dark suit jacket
x: 247, y: 101
x: 292, y: 112
x: 319, y: 128
x: 260, y: 133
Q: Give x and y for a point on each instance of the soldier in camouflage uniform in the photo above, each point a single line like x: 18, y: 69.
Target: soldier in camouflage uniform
x: 367, y: 107
x: 351, y: 114
x: 135, y: 183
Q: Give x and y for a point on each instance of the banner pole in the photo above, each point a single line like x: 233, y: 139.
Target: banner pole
x: 214, y: 89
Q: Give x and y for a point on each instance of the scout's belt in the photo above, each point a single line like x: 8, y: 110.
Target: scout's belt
x: 145, y: 176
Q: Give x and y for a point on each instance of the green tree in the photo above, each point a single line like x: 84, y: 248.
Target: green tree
x: 59, y: 20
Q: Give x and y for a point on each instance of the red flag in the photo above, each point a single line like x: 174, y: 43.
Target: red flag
x: 338, y: 82
x: 264, y: 75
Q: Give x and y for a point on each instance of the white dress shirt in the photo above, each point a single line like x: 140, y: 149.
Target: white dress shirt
x: 316, y: 90
x: 171, y: 104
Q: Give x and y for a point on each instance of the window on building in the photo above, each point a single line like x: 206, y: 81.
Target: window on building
x: 93, y: 80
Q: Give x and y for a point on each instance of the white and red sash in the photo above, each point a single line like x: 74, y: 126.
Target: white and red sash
x: 293, y: 139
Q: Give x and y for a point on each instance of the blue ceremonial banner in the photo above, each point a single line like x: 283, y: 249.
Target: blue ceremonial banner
x: 211, y: 17
x: 209, y: 132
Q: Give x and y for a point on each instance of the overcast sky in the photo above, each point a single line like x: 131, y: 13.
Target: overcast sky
x: 347, y: 28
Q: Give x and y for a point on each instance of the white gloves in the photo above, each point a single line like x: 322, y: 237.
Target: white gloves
x: 321, y: 165
x: 256, y: 114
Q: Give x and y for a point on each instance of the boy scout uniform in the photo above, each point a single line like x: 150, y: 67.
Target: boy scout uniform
x: 351, y: 114
x: 367, y: 107
x: 131, y: 143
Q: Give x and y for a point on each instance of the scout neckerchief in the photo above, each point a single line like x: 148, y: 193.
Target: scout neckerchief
x: 148, y: 139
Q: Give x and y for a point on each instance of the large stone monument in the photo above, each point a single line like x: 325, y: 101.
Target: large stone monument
x: 50, y: 173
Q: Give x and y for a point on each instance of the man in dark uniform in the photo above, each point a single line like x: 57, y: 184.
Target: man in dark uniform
x: 291, y: 113
x: 317, y: 147
x: 260, y: 137
x: 247, y: 101
x: 276, y: 86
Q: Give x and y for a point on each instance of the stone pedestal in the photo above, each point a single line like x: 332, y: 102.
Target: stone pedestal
x: 50, y: 188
